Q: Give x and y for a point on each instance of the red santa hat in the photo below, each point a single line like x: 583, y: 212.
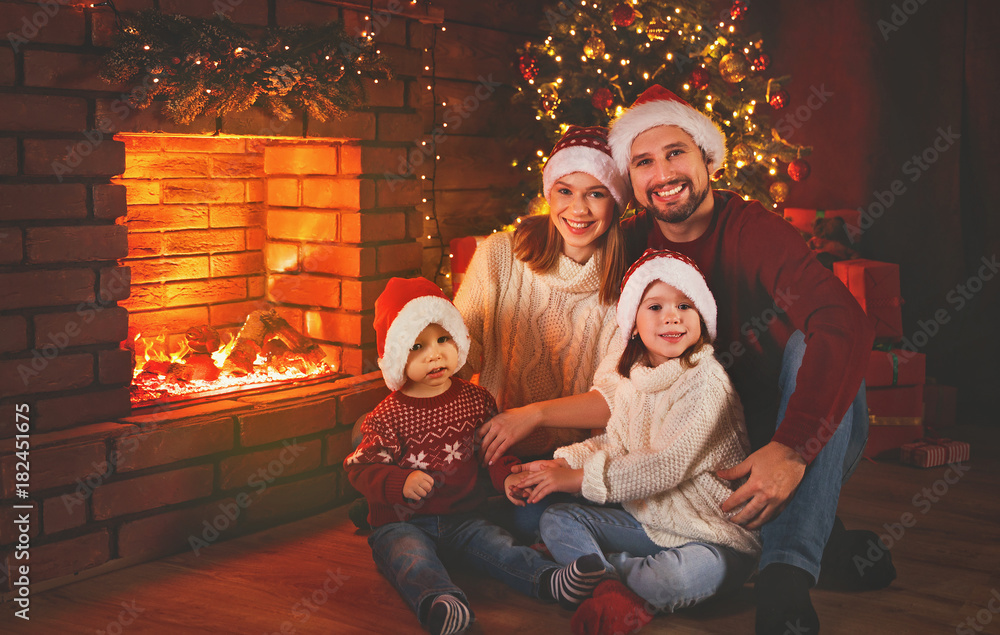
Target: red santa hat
x: 657, y: 106
x: 675, y: 269
x: 402, y: 311
x: 585, y: 150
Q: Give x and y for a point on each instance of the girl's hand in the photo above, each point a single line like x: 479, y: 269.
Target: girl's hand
x: 418, y: 485
x: 512, y: 488
x: 538, y: 466
x: 548, y: 481
x: 505, y: 429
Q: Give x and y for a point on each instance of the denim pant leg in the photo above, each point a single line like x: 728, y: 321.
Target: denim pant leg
x: 523, y: 521
x: 667, y: 578
x: 492, y: 550
x: 405, y: 553
x: 799, y: 533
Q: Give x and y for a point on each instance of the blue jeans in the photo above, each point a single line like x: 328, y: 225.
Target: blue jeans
x: 799, y: 533
x: 406, y: 553
x: 667, y: 578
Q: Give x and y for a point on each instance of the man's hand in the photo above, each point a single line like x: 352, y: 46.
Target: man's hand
x: 418, y: 485
x: 553, y: 479
x: 775, y: 472
x: 504, y: 430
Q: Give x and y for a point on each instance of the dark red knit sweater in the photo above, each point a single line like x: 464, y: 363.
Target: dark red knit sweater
x: 767, y: 284
x: 435, y: 435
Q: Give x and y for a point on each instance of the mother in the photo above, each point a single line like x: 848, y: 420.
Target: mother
x: 539, y: 303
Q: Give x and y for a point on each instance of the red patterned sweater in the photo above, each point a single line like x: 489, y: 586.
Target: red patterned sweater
x: 434, y: 435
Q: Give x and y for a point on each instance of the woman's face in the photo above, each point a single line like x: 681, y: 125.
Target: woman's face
x: 582, y: 210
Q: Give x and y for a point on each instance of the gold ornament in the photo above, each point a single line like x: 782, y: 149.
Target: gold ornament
x: 549, y: 95
x: 594, y: 47
x: 734, y: 67
x: 657, y: 29
x: 779, y: 191
x: 742, y: 152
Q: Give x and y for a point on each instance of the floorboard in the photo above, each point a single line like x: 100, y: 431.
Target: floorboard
x: 948, y: 562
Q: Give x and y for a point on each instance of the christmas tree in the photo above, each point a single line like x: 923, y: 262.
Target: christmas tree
x: 601, y: 55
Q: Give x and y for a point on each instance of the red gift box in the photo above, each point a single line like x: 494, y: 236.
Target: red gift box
x: 875, y: 285
x: 803, y: 219
x: 940, y: 405
x: 883, y: 439
x: 896, y: 368
x: 933, y: 452
x: 461, y: 250
x: 898, y: 402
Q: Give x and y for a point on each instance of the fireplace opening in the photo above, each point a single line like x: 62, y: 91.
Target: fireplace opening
x: 237, y: 247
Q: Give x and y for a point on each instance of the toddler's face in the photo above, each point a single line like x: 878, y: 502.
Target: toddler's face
x: 667, y: 322
x: 433, y: 359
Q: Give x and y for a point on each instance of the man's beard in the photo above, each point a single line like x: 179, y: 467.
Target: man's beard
x: 680, y: 212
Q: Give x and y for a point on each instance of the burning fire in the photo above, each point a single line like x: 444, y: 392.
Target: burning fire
x: 267, y: 350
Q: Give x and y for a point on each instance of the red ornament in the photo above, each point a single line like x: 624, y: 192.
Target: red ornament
x: 779, y: 99
x: 602, y: 99
x: 761, y: 62
x: 738, y: 10
x: 699, y: 78
x: 528, y: 66
x: 799, y: 170
x: 623, y: 15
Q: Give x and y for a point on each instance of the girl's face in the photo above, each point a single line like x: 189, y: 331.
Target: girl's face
x: 582, y: 210
x: 667, y: 322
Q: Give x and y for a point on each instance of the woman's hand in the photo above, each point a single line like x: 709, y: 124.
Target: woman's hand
x: 505, y: 429
x: 551, y: 480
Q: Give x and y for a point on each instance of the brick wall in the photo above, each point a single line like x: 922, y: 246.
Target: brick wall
x: 149, y: 484
x: 119, y: 492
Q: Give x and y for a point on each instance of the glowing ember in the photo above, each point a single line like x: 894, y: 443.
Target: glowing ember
x: 267, y: 350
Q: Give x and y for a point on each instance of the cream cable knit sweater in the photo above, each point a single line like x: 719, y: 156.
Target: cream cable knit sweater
x: 534, y: 336
x: 669, y: 430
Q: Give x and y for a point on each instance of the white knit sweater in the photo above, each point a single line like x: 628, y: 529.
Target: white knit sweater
x: 670, y: 430
x: 534, y: 336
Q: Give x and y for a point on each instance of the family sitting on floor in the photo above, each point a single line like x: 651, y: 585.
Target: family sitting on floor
x: 655, y: 477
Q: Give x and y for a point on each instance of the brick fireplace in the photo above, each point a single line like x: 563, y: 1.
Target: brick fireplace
x: 114, y: 223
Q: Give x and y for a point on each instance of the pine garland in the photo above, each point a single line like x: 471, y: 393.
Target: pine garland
x: 216, y: 67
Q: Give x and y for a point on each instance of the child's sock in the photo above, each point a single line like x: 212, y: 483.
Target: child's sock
x: 448, y: 615
x: 575, y: 582
x: 613, y: 610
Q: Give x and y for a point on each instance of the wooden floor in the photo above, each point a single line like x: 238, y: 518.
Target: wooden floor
x: 273, y: 582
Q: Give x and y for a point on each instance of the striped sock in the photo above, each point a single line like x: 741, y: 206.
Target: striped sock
x: 448, y: 616
x: 575, y: 582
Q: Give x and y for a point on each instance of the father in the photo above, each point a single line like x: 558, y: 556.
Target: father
x: 794, y: 340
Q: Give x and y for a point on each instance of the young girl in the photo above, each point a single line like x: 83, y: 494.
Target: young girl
x: 675, y: 420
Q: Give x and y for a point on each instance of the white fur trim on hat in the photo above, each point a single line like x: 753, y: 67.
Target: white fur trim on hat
x: 677, y: 274
x: 638, y: 119
x: 413, y: 318
x: 590, y: 161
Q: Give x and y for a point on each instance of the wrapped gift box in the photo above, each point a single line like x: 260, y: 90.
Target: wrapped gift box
x: 875, y: 285
x: 940, y: 405
x: 803, y: 219
x: 887, y: 439
x: 896, y: 368
x: 900, y: 401
x: 461, y: 251
x: 933, y: 452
